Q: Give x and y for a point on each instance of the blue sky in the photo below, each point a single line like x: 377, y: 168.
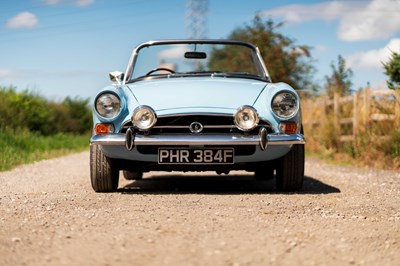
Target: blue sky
x: 62, y: 48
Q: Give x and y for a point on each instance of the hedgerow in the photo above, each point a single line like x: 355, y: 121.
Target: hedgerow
x: 28, y: 111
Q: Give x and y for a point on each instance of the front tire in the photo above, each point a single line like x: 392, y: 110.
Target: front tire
x: 290, y: 170
x: 104, y: 175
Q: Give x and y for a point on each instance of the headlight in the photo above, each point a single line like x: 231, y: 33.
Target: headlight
x: 246, y: 118
x: 108, y: 105
x: 144, y: 117
x: 284, y: 104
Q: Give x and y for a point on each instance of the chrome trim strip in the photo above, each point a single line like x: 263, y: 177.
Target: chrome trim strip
x: 283, y: 139
x: 171, y: 127
x: 204, y: 126
x: 219, y: 126
x: 226, y: 115
x: 108, y: 139
x: 198, y: 139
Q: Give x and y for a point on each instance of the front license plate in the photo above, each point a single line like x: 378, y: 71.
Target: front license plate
x: 196, y: 155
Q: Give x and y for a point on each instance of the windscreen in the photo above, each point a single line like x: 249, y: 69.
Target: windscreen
x: 196, y: 59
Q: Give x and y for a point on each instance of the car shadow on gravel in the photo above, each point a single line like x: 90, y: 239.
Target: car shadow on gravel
x: 223, y: 184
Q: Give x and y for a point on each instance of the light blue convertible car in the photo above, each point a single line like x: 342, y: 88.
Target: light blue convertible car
x: 196, y: 105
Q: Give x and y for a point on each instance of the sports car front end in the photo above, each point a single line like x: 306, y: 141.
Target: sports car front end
x: 197, y: 121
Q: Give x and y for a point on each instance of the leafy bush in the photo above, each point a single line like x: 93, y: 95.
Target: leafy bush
x: 33, y: 128
x: 27, y: 111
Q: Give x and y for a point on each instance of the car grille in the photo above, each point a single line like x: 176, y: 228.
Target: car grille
x: 212, y: 124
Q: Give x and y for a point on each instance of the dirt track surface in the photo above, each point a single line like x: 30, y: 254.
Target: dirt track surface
x: 344, y: 216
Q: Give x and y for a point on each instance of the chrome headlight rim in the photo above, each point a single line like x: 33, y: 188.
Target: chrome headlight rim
x: 290, y: 114
x: 110, y: 114
x: 253, y: 113
x: 137, y: 114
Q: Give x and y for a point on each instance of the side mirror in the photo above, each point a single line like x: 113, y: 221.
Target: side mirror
x: 116, y: 76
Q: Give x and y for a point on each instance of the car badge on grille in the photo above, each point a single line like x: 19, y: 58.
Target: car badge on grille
x: 196, y: 127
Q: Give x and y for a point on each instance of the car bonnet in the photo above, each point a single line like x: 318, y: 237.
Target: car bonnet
x: 196, y: 93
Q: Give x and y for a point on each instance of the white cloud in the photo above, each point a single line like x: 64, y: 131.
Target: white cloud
x: 25, y: 20
x: 326, y: 11
x: 358, y: 20
x: 372, y: 60
x: 80, y: 3
x: 84, y: 2
x: 175, y: 52
x: 6, y: 73
x: 378, y: 20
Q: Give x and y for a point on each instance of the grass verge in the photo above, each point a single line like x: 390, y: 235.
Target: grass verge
x: 25, y: 147
x: 366, y: 151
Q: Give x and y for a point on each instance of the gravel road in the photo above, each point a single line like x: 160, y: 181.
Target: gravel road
x: 344, y: 216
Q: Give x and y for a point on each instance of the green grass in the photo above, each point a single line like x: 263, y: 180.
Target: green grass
x: 23, y: 148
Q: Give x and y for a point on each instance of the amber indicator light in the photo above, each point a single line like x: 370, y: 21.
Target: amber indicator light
x: 289, y: 128
x: 103, y: 128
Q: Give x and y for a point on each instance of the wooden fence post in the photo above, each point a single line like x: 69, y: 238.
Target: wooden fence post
x: 355, y: 115
x: 323, y: 113
x: 336, y: 113
x: 366, y: 107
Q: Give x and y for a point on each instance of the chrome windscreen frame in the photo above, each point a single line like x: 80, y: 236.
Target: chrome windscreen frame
x: 132, y: 60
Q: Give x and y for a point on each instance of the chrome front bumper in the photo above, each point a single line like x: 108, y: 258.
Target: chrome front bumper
x: 263, y: 139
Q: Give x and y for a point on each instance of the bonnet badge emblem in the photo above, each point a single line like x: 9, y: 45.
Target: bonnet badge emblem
x: 196, y: 127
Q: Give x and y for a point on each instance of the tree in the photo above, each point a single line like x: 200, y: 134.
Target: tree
x: 392, y: 70
x: 340, y: 80
x: 286, y: 62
